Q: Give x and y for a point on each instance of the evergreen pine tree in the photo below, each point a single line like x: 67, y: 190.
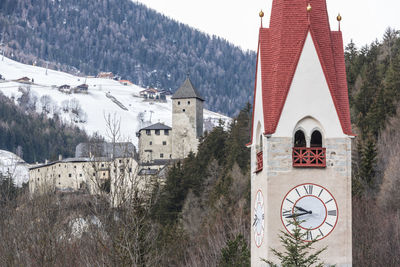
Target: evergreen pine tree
x: 235, y: 253
x: 297, y: 252
x: 368, y: 161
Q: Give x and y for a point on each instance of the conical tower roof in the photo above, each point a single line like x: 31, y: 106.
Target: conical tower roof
x: 187, y: 90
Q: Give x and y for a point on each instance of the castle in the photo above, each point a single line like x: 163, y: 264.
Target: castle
x: 109, y: 167
x: 159, y: 143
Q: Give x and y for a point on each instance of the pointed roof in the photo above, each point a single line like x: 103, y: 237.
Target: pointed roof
x: 187, y: 90
x: 280, y: 47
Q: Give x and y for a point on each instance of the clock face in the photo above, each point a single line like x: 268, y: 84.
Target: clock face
x: 258, y: 222
x: 313, y: 206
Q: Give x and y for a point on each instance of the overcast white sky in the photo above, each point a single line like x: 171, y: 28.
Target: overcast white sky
x: 238, y: 20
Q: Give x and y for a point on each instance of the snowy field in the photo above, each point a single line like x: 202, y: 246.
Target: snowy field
x: 95, y: 105
x: 11, y: 164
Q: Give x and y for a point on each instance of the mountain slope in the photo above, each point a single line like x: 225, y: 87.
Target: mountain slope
x: 130, y: 40
x: 105, y: 97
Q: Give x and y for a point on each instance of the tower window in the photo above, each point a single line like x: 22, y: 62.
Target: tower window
x: 316, y: 139
x: 183, y: 110
x: 179, y: 102
x: 188, y: 102
x: 161, y: 155
x: 299, y: 139
x: 166, y: 132
x: 148, y: 132
x: 164, y: 143
x: 151, y: 143
x: 157, y: 132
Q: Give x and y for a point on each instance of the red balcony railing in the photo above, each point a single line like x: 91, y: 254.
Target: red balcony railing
x: 259, y: 161
x: 309, y: 157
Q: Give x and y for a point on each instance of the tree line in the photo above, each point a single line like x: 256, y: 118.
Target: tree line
x: 35, y: 137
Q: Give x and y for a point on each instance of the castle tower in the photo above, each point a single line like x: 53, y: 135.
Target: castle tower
x: 187, y: 120
x: 301, y: 134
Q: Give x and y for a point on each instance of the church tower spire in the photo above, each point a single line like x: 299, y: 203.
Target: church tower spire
x: 301, y: 133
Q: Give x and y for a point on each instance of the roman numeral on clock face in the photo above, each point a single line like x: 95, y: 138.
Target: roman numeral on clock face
x: 309, y: 235
x: 332, y: 212
x: 308, y: 189
x: 286, y: 212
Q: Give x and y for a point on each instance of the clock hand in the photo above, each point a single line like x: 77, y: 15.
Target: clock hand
x: 301, y: 209
x: 296, y: 215
x: 255, y: 220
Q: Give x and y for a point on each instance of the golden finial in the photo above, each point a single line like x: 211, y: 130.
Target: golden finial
x: 261, y: 14
x: 309, y: 8
x: 339, y: 18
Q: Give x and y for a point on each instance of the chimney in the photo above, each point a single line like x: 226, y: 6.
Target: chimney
x: 59, y: 157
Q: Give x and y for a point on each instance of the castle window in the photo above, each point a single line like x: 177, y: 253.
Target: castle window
x: 299, y: 139
x: 161, y: 155
x: 151, y: 143
x: 70, y: 175
x: 148, y: 132
x: 179, y: 102
x: 157, y: 132
x: 188, y: 102
x: 80, y: 175
x: 166, y: 132
x: 316, y: 139
x: 184, y: 110
x: 164, y: 143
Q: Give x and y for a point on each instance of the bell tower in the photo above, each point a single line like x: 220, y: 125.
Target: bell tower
x: 301, y: 134
x: 187, y: 120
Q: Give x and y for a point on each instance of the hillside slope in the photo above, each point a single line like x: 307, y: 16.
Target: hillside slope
x: 101, y: 100
x: 130, y: 40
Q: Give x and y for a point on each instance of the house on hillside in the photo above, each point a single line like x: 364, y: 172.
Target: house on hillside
x: 65, y: 88
x: 153, y: 94
x: 126, y: 82
x: 105, y: 75
x: 83, y: 88
x: 23, y: 80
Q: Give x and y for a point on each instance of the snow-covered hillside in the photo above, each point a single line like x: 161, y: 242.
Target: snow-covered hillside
x: 11, y: 164
x: 105, y: 97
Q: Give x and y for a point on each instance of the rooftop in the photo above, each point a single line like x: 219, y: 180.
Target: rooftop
x: 187, y: 90
x: 157, y: 126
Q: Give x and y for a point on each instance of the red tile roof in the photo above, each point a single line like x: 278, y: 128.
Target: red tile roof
x: 280, y: 47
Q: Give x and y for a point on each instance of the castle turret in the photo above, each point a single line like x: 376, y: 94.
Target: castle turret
x: 187, y: 120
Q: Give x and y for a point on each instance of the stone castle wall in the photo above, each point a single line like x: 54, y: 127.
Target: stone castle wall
x: 155, y: 146
x: 187, y: 125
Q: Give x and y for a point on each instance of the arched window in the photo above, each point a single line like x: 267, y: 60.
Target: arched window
x: 299, y: 139
x: 316, y: 139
